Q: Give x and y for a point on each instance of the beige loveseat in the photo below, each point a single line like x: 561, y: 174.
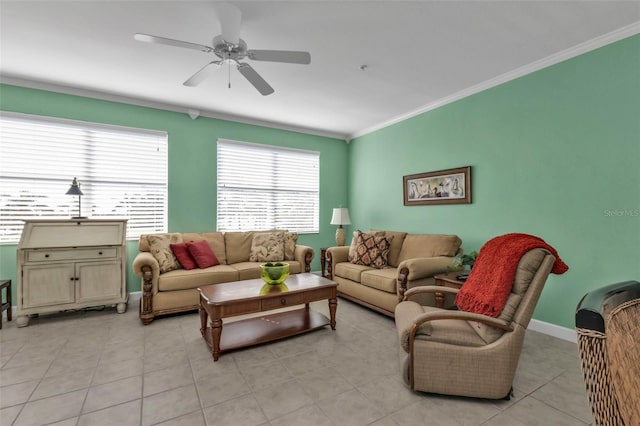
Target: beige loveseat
x: 413, y: 260
x: 176, y: 290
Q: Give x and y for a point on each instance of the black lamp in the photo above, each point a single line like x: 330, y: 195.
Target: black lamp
x: 74, y: 189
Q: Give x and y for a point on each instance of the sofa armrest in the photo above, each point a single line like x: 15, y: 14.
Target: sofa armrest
x: 144, y: 258
x: 304, y: 255
x: 429, y: 289
x: 420, y: 268
x: 146, y: 266
x: 335, y: 255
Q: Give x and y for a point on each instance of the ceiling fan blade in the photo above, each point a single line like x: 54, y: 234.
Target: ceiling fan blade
x: 202, y: 74
x: 171, y: 42
x: 254, y: 78
x: 288, y: 56
x: 230, y: 18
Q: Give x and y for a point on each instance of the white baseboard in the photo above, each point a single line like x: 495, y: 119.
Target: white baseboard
x: 554, y: 330
x: 535, y: 325
x: 135, y: 296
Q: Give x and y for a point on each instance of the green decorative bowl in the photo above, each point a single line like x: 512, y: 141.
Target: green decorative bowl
x: 273, y: 289
x: 274, y: 273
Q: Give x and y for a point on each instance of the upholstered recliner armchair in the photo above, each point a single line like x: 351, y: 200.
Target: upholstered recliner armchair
x: 454, y: 352
x: 609, y: 345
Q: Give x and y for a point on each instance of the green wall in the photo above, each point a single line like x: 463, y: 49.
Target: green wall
x: 555, y: 154
x: 192, y: 161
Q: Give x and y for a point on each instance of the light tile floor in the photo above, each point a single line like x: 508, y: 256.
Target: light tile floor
x: 103, y: 368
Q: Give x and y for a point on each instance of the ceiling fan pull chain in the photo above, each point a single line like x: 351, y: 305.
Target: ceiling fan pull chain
x: 229, y: 74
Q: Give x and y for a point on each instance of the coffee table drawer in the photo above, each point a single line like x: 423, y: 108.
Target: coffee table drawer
x: 282, y: 301
x: 320, y: 294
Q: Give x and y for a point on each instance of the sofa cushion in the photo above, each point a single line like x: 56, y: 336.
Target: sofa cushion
x: 181, y: 252
x: 381, y: 279
x: 290, y: 241
x: 267, y: 247
x: 160, y: 248
x: 238, y: 246
x: 416, y: 245
x: 215, y: 240
x: 350, y: 271
x: 202, y: 254
x: 247, y: 270
x: 181, y: 279
x: 396, y: 239
x: 371, y: 250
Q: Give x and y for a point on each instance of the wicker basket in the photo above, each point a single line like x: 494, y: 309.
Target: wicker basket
x: 609, y: 345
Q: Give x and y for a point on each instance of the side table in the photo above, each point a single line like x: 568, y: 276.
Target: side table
x: 323, y: 260
x: 6, y: 306
x: 447, y: 280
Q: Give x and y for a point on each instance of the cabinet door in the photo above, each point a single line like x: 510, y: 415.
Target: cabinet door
x: 98, y: 281
x: 48, y: 285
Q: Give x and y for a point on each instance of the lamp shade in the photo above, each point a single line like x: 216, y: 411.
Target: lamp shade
x: 340, y: 216
x: 74, y: 189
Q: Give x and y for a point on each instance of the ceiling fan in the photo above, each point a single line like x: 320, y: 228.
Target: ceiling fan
x: 231, y: 49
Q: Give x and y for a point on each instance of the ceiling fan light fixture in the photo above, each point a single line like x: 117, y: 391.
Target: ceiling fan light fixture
x: 230, y: 48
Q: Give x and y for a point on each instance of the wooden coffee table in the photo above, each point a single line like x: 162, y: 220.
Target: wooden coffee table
x: 225, y: 300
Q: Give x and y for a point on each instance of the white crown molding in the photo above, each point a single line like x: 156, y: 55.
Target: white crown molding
x: 617, y: 35
x: 94, y: 94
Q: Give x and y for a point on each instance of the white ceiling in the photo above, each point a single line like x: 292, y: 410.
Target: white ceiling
x: 418, y: 54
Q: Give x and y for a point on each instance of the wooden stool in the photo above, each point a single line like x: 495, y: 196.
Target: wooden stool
x: 5, y: 284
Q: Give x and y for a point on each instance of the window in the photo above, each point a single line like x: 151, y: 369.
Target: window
x: 267, y: 187
x: 122, y: 173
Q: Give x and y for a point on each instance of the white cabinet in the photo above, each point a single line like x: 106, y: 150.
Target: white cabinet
x: 71, y: 264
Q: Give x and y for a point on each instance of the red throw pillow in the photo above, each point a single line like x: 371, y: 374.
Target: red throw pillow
x: 181, y: 252
x: 202, y: 253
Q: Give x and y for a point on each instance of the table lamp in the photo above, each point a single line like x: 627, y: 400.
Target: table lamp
x: 74, y: 189
x: 340, y: 217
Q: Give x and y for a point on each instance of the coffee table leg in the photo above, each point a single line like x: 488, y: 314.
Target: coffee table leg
x: 333, y: 304
x: 203, y: 319
x: 216, y: 332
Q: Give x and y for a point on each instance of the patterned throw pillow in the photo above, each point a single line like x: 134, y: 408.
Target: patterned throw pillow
x: 290, y: 240
x: 354, y: 241
x: 160, y: 248
x: 267, y: 247
x: 371, y: 250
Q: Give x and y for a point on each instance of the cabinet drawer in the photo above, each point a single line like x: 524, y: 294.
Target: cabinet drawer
x: 74, y: 254
x: 282, y: 301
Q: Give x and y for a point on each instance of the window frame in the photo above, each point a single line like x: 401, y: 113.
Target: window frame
x: 311, y: 197
x: 100, y: 190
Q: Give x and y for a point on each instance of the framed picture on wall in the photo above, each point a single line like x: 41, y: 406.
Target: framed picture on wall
x: 452, y: 186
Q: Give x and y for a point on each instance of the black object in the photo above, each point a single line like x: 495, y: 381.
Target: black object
x: 462, y: 277
x: 596, y: 305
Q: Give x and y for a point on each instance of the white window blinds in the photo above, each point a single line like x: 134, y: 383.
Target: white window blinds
x: 122, y: 173
x: 267, y: 187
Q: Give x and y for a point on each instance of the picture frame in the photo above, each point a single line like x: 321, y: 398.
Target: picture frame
x: 451, y: 186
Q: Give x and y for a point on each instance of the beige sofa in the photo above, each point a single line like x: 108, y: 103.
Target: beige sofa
x: 413, y: 260
x: 176, y: 290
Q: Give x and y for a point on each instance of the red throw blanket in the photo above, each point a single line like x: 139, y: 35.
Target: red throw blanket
x: 491, y: 278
